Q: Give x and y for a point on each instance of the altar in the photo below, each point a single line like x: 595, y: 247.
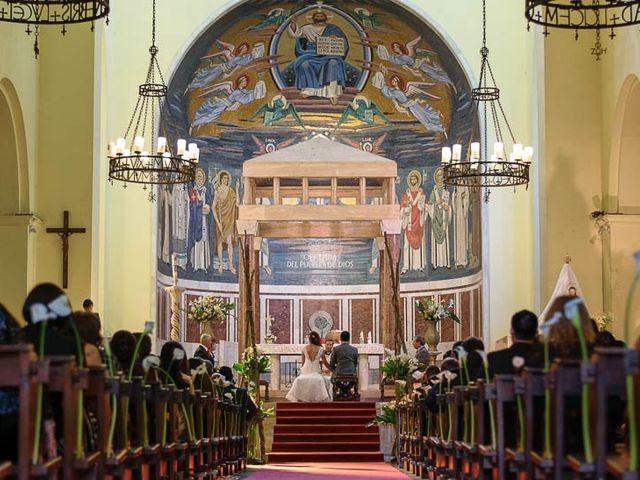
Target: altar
x: 370, y: 357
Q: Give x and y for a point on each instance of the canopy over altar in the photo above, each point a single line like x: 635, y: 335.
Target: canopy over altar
x: 353, y: 195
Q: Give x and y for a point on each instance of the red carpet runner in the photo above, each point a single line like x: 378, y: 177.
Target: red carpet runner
x: 325, y: 432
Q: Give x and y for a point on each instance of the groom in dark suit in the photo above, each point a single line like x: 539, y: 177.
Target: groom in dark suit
x: 344, y: 357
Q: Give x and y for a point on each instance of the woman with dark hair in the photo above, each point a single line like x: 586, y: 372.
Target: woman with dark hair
x: 122, y: 345
x: 563, y: 337
x: 311, y: 385
x: 88, y: 326
x: 173, y: 360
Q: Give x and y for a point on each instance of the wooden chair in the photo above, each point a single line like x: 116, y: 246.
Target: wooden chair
x: 345, y: 388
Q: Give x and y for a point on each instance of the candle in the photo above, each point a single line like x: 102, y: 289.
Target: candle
x: 112, y: 149
x: 182, y: 146
x: 166, y: 159
x: 527, y: 154
x: 126, y: 152
x: 121, y: 144
x: 517, y: 151
x: 475, y: 150
x: 196, y: 155
x: 162, y: 144
x: 456, y: 152
x: 498, y: 150
x: 138, y: 144
x: 193, y: 147
x: 446, y: 155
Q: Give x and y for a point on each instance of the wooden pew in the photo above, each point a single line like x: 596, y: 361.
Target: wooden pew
x: 487, y: 455
x: 19, y: 371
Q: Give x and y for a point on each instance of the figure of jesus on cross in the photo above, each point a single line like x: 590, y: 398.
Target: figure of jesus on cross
x: 65, y: 232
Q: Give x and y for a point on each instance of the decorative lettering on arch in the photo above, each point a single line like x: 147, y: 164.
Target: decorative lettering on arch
x: 569, y: 16
x: 52, y: 13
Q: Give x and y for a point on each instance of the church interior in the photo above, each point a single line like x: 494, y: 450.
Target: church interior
x: 202, y: 203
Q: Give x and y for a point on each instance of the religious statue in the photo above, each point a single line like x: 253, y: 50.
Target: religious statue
x: 361, y: 336
x: 226, y: 96
x: 225, y: 214
x: 461, y: 226
x: 269, y: 337
x: 320, y: 50
x: 439, y: 209
x: 180, y: 223
x: 408, y: 98
x: 412, y: 212
x: 200, y: 223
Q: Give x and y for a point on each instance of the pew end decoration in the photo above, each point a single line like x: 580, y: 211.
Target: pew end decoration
x: 209, y: 309
x: 432, y: 313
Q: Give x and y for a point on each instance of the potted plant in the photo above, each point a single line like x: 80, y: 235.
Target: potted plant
x: 386, y: 421
x: 432, y: 312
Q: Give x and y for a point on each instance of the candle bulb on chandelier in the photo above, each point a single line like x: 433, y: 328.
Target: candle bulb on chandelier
x: 446, y: 155
x: 196, y: 155
x: 527, y: 154
x: 166, y: 159
x: 517, y: 152
x: 121, y: 144
x: 182, y: 146
x: 162, y: 144
x: 456, y: 152
x: 475, y: 150
x: 138, y: 144
x: 498, y: 150
x: 111, y: 149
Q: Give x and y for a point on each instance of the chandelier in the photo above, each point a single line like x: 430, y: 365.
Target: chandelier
x: 477, y: 169
x: 140, y: 157
x: 51, y: 12
x: 580, y: 15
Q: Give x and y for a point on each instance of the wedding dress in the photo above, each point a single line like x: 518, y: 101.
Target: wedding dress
x: 311, y: 385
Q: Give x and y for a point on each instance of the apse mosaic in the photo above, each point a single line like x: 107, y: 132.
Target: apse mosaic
x: 366, y: 73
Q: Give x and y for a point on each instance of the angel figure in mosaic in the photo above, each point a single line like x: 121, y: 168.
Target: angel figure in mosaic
x: 226, y: 96
x: 276, y: 109
x: 363, y: 109
x: 366, y: 18
x: 410, y: 98
x: 274, y: 18
x: 417, y: 61
x: 225, y: 62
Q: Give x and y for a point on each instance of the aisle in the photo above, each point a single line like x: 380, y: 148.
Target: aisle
x: 328, y: 471
x: 325, y: 432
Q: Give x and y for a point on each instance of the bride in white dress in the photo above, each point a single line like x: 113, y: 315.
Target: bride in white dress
x: 311, y: 385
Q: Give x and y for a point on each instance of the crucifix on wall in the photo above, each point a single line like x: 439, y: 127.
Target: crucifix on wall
x: 65, y: 232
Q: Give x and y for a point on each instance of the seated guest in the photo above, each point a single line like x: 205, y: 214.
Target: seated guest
x: 122, y: 345
x: 205, y: 349
x: 524, y: 328
x: 144, y: 350
x: 475, y: 366
x: 175, y: 364
x: 48, y: 302
x: 421, y: 351
x: 88, y: 326
x: 9, y: 335
x: 241, y: 396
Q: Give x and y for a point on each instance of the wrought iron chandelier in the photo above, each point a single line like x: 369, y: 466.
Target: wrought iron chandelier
x: 476, y: 170
x: 583, y: 15
x: 132, y: 163
x: 51, y: 12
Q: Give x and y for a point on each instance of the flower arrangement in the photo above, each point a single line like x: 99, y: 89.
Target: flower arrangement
x: 399, y: 367
x: 603, y: 321
x: 252, y: 360
x: 209, y: 309
x: 433, y: 311
x: 387, y: 415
